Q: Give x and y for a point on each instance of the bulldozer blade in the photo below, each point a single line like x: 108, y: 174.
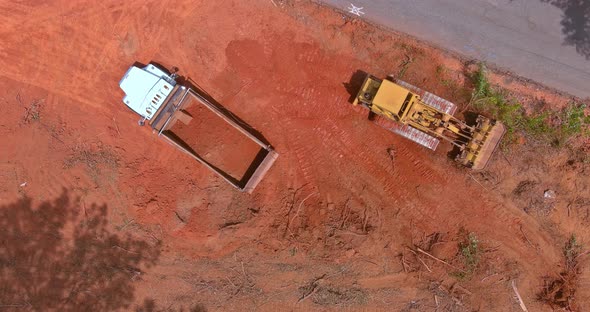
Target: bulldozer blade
x: 491, y: 142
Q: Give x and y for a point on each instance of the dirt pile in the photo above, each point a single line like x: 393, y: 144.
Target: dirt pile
x: 216, y: 141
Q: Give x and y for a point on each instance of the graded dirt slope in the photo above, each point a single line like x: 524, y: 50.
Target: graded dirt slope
x: 335, y: 223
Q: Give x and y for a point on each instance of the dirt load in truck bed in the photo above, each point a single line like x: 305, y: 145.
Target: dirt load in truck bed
x: 215, y: 140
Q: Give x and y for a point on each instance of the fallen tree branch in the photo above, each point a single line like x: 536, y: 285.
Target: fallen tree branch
x: 474, y: 179
x: 314, y: 288
x: 439, y: 260
x: 522, y: 306
x: 422, y: 261
x: 461, y: 288
x: 526, y: 238
x: 403, y: 260
x: 299, y: 207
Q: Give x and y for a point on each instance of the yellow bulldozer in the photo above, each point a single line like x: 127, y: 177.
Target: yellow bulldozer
x: 426, y: 119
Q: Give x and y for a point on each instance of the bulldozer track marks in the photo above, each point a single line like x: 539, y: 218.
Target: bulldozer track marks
x: 315, y: 103
x: 424, y: 169
x: 333, y: 142
x: 305, y: 153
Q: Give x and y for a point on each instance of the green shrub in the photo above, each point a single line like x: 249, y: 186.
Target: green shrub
x: 571, y: 121
x: 470, y: 251
x: 571, y: 250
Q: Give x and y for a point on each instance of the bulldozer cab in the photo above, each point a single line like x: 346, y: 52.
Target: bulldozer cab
x: 394, y: 98
x: 386, y: 98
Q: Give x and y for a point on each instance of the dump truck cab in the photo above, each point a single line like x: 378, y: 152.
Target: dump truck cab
x: 146, y: 89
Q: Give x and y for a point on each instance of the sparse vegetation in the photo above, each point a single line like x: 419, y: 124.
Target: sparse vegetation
x: 560, y: 292
x: 537, y: 125
x: 571, y: 251
x: 441, y: 73
x: 458, y: 91
x: 556, y: 128
x: 458, y: 275
x: 33, y: 112
x: 572, y: 122
x: 469, y: 251
x: 333, y: 296
x: 97, y: 162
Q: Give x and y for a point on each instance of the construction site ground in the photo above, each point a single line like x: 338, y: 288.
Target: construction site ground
x: 99, y: 214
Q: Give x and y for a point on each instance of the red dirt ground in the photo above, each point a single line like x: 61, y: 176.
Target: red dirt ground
x: 335, y: 223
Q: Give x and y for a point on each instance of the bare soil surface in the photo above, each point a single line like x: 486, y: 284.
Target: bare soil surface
x: 99, y: 214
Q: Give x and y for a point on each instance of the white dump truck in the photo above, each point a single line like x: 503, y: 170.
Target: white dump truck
x: 160, y: 100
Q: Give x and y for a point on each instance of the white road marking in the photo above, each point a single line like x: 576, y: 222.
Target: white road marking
x: 355, y: 10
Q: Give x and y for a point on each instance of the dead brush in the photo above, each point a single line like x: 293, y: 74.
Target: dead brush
x: 33, y: 112
x: 422, y: 253
x: 96, y: 161
x: 356, y: 222
x: 560, y: 292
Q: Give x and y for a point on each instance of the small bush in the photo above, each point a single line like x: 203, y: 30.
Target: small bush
x: 571, y: 251
x: 492, y: 102
x: 560, y: 291
x: 538, y: 125
x: 470, y: 251
x: 482, y: 85
x: 572, y: 122
x: 458, y: 275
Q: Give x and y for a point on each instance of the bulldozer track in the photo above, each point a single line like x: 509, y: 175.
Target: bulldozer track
x: 305, y: 153
x: 424, y: 169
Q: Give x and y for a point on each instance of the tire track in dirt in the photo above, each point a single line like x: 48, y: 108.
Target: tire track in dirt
x: 376, y: 160
x: 338, y: 142
x: 388, y: 184
x: 424, y: 169
x: 302, y: 147
x: 72, y: 30
x: 411, y: 168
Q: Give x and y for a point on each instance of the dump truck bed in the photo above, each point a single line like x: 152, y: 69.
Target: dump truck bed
x: 174, y: 111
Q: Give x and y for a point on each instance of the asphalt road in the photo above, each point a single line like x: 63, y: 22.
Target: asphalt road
x: 546, y: 42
